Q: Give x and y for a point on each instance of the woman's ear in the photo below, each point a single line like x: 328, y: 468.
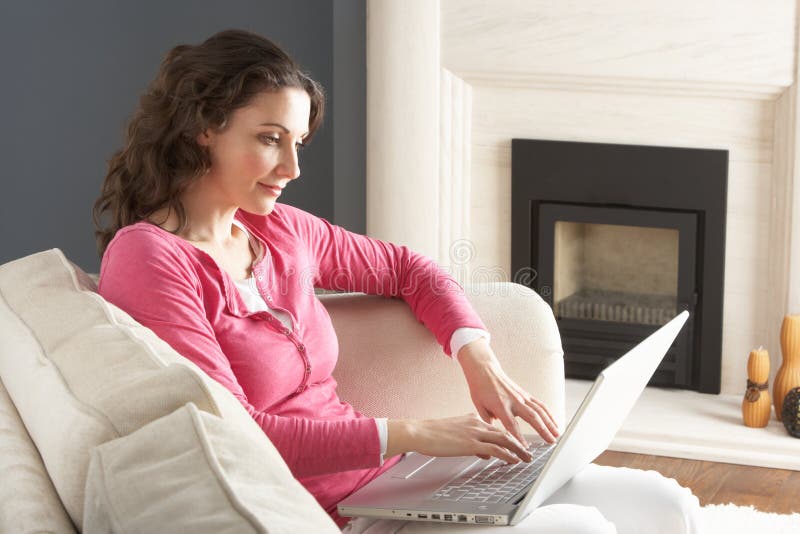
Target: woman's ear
x: 204, y: 138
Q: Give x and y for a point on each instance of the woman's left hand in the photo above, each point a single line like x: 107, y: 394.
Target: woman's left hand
x: 496, y: 396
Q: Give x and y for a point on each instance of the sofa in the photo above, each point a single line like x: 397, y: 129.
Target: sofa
x: 105, y: 428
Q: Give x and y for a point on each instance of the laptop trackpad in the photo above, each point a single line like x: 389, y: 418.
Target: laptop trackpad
x: 415, y: 464
x: 411, y: 465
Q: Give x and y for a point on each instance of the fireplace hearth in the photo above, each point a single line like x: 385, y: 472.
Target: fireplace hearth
x: 622, y: 238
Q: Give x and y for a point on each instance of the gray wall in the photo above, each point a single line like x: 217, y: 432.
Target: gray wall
x: 72, y: 74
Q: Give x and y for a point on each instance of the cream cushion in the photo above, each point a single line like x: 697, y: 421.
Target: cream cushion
x: 525, y: 339
x: 192, y: 471
x: 72, y: 362
x: 28, y: 500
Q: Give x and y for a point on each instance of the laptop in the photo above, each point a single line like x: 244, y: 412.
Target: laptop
x: 467, y: 489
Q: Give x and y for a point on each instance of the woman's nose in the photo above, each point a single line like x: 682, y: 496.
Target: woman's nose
x: 290, y: 163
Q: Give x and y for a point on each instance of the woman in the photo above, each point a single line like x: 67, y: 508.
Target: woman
x: 199, y: 251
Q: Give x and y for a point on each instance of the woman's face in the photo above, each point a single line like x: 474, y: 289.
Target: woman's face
x: 255, y: 156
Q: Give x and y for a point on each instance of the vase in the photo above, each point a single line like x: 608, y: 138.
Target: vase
x: 788, y: 376
x: 756, y: 405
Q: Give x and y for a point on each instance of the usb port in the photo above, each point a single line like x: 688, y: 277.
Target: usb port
x: 423, y: 516
x: 448, y: 517
x: 436, y: 516
x: 462, y: 518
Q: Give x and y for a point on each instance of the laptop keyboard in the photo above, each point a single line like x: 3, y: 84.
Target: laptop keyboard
x: 497, y: 481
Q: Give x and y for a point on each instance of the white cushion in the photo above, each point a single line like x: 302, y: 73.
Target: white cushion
x: 82, y: 372
x: 28, y: 500
x: 191, y: 471
x: 525, y: 339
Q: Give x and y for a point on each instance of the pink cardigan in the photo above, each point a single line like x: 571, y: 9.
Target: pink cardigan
x: 283, y: 378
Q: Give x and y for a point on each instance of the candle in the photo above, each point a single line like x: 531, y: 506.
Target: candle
x: 756, y: 405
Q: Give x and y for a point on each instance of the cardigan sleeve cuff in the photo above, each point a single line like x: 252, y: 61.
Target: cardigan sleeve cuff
x: 462, y: 336
x: 383, y: 434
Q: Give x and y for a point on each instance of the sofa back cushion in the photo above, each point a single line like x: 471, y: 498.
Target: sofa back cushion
x: 192, y: 471
x: 82, y: 372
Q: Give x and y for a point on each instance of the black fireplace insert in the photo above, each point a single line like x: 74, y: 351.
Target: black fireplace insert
x: 622, y: 238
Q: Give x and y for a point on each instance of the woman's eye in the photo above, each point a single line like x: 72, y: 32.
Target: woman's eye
x: 270, y: 139
x: 275, y: 140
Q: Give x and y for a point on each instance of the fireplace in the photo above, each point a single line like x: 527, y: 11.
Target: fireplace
x: 622, y: 238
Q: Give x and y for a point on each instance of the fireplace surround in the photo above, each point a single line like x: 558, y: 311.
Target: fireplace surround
x: 621, y: 238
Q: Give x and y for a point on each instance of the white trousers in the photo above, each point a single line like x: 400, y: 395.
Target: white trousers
x: 599, y: 499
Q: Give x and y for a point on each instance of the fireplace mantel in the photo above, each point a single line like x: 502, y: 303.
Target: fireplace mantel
x: 678, y: 74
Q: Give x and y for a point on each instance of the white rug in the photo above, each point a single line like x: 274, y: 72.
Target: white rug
x: 730, y: 519
x: 696, y: 426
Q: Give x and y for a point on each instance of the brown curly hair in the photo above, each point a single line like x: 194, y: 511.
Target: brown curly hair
x: 196, y: 88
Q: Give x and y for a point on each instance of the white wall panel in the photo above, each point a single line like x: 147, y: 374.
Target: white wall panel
x: 723, y: 42
x: 743, y: 126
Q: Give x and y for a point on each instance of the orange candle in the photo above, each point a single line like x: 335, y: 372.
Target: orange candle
x: 756, y: 405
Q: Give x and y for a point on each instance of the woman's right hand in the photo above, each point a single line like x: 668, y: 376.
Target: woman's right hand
x: 465, y: 435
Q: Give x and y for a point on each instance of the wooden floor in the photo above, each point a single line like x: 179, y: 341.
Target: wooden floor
x: 768, y: 490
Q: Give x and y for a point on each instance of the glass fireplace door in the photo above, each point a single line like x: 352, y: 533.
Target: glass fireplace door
x: 614, y: 275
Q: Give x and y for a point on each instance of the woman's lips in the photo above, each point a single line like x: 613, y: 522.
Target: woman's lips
x: 272, y: 189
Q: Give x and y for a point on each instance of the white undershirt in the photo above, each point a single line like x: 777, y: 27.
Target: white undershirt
x: 256, y: 302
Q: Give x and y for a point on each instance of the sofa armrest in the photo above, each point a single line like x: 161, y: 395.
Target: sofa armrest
x: 390, y: 365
